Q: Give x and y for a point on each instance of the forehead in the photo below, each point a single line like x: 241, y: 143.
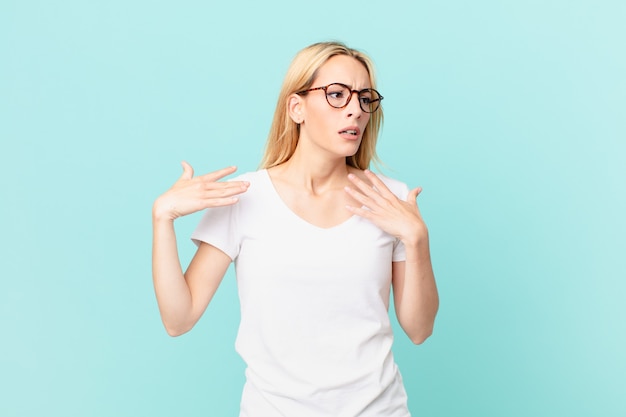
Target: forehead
x: 345, y: 70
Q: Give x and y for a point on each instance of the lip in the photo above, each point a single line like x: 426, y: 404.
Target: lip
x: 349, y: 136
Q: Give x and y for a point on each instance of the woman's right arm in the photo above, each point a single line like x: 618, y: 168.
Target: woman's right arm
x: 183, y: 297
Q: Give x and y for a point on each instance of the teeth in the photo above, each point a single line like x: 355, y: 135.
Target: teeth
x: 351, y: 132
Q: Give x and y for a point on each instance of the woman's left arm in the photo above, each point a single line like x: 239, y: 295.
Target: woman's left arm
x: 415, y: 292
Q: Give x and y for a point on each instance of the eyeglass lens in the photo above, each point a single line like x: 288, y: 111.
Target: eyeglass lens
x: 339, y: 95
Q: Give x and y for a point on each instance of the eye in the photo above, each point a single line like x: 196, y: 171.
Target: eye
x: 366, y: 97
x: 337, y: 94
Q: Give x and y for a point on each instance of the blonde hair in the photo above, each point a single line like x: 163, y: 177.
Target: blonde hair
x: 284, y: 132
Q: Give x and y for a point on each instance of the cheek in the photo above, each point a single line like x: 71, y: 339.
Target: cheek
x: 320, y: 119
x: 366, y: 121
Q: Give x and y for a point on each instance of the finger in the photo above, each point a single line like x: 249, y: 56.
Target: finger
x: 412, y: 199
x: 412, y: 196
x: 378, y: 184
x: 187, y: 171
x: 217, y: 192
x: 220, y: 202
x: 366, y: 189
x: 359, y: 211
x: 360, y: 197
x: 219, y: 174
x: 371, y: 198
x: 226, y: 185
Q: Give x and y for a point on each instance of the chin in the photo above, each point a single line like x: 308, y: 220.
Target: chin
x: 349, y: 152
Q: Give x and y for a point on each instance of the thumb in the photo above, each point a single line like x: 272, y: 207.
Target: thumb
x: 413, y: 195
x: 187, y: 171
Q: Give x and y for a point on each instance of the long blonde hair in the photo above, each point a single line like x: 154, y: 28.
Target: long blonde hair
x: 284, y: 132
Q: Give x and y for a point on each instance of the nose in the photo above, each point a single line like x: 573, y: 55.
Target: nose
x: 352, y: 110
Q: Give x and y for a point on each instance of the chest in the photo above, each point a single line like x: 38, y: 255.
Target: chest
x: 279, y: 249
x: 323, y: 211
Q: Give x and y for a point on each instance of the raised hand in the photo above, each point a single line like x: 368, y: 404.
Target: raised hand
x: 401, y: 219
x: 189, y: 195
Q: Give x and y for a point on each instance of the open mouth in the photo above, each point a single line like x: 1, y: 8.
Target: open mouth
x: 349, y: 132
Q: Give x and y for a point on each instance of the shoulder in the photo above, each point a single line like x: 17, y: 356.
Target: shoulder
x: 251, y: 176
x: 259, y: 183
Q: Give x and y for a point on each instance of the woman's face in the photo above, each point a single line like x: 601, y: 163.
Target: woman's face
x: 337, y: 132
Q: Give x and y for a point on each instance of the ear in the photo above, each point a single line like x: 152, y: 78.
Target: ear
x: 295, y: 107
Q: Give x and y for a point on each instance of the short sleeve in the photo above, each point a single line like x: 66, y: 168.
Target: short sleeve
x: 399, y: 252
x: 400, y: 190
x: 218, y: 227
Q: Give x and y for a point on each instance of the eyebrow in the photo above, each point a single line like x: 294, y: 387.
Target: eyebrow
x: 348, y: 85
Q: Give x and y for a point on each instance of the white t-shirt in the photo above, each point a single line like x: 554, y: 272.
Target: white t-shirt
x: 315, y: 331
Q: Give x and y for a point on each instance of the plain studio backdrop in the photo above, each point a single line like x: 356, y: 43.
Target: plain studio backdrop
x: 510, y: 114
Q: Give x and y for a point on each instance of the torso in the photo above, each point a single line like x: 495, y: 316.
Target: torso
x: 315, y: 331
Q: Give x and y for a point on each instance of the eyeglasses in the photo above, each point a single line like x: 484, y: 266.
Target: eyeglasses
x: 339, y: 95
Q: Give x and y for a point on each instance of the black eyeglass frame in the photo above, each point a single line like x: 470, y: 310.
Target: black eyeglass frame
x: 358, y: 93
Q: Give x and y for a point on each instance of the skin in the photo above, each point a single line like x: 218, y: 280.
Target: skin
x: 317, y: 185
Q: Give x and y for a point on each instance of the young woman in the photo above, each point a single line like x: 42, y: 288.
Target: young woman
x: 318, y: 241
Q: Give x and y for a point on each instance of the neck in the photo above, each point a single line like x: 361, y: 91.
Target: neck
x: 314, y: 172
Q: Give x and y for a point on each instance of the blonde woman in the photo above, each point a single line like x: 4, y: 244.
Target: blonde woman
x: 318, y: 241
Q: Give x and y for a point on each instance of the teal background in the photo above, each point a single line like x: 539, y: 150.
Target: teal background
x: 510, y: 114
